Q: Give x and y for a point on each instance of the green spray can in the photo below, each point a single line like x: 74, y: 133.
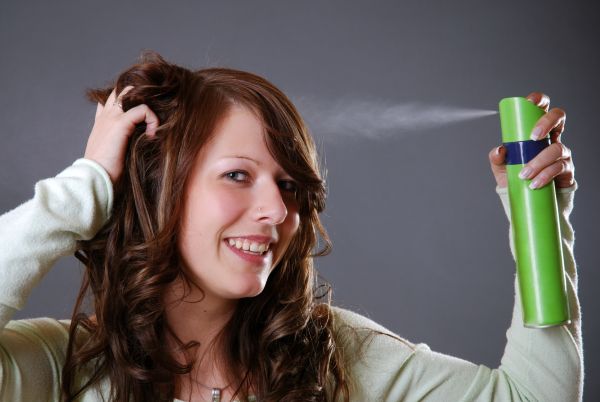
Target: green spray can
x: 534, y: 216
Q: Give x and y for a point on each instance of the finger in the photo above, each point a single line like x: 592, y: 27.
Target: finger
x: 111, y: 98
x: 560, y: 167
x: 552, y: 122
x: 539, y: 99
x: 124, y: 91
x: 114, y: 102
x: 555, y: 152
x: 99, y: 109
x: 142, y: 113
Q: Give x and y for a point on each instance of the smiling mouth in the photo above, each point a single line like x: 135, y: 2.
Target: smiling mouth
x: 250, y: 248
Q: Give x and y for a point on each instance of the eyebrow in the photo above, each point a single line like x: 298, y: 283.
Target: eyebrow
x: 242, y: 157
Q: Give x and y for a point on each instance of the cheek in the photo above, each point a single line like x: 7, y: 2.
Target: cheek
x: 209, y: 216
x: 224, y: 208
x: 294, y: 224
x: 290, y: 229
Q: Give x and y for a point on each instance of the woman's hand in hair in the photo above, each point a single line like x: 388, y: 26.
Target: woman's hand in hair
x: 107, y: 143
x: 553, y: 163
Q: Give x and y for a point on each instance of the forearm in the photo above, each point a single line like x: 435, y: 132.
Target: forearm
x: 548, y: 362
x: 538, y: 364
x: 69, y: 207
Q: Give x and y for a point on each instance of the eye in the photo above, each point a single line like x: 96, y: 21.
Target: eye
x: 289, y: 186
x: 237, y: 176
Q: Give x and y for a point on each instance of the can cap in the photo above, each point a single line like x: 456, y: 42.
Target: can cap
x: 517, y: 118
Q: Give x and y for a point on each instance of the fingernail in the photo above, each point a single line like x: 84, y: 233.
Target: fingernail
x: 536, y: 133
x: 525, y: 172
x: 535, y: 184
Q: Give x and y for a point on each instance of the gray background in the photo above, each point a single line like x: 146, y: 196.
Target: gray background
x: 420, y: 239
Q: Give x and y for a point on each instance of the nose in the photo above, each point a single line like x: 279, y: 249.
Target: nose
x: 270, y: 207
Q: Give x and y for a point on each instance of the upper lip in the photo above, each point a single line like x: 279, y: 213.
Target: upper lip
x: 256, y: 238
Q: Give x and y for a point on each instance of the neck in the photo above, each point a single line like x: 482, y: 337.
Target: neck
x: 198, y: 315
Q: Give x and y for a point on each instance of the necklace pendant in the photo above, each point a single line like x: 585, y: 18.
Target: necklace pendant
x: 216, y: 395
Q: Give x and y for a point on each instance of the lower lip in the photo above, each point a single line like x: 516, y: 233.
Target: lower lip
x: 256, y: 259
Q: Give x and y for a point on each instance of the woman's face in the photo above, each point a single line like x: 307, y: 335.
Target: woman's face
x: 237, y: 197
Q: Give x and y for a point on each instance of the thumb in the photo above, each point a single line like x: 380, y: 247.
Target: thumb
x: 497, y: 156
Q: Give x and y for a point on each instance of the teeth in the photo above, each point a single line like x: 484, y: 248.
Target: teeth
x: 248, y: 245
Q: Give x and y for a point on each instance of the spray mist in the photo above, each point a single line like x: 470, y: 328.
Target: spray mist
x: 534, y: 216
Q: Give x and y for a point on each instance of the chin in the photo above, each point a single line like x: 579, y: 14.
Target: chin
x: 246, y: 289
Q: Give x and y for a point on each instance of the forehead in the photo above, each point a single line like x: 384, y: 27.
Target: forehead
x: 240, y: 132
x: 239, y: 127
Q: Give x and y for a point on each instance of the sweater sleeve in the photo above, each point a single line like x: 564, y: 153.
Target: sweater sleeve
x: 69, y: 207
x: 537, y: 365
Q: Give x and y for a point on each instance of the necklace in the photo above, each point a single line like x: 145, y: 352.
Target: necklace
x: 215, y: 392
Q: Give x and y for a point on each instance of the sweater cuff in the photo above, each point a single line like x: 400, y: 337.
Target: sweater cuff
x: 108, y: 195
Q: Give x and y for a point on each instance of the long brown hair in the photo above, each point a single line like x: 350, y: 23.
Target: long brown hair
x: 280, y: 343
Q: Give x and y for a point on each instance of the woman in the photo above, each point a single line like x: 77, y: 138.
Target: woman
x: 195, y: 212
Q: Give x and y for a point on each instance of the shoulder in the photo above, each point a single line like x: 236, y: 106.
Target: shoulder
x: 373, y: 355
x: 36, y: 347
x: 40, y: 327
x: 43, y: 340
x: 364, y: 336
x: 47, y: 336
x: 348, y: 318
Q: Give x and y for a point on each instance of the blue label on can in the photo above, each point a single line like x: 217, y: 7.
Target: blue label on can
x: 521, y: 152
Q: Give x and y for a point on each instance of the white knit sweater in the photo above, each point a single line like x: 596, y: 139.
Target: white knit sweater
x: 537, y: 365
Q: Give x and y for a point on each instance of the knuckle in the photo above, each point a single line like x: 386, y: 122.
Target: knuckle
x: 559, y: 112
x: 564, y: 151
x: 558, y: 148
x: 571, y: 176
x: 540, y: 99
x: 542, y: 177
x: 534, y: 164
x: 544, y: 98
